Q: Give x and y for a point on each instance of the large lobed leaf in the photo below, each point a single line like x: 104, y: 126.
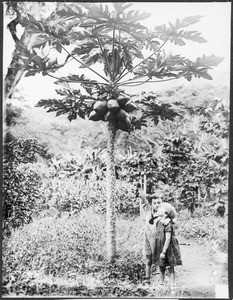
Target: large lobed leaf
x: 31, y: 62
x: 155, y: 110
x: 113, y: 39
x: 187, y: 21
x: 177, y: 36
x: 200, y: 67
x: 74, y: 104
x: 208, y: 61
x: 168, y: 65
x: 164, y: 65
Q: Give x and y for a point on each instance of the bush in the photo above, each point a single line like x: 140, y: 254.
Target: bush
x: 71, y: 195
x: 66, y: 247
x: 20, y: 195
x: 13, y: 115
x: 126, y: 202
x: 78, y: 193
x: 21, y: 185
x: 56, y: 247
x: 207, y: 228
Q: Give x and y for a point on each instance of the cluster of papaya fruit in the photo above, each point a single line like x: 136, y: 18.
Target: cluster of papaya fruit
x: 113, y: 110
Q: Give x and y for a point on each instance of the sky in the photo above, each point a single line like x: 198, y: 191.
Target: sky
x: 214, y: 26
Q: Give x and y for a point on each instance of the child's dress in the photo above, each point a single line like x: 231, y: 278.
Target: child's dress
x: 154, y: 241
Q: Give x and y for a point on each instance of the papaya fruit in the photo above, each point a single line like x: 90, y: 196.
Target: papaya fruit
x: 124, y: 125
x: 130, y: 107
x: 122, y: 101
x: 94, y: 116
x: 113, y: 105
x: 121, y: 114
x: 100, y: 107
x: 110, y: 116
x: 128, y: 121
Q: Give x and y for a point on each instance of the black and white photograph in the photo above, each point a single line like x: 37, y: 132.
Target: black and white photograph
x: 116, y: 149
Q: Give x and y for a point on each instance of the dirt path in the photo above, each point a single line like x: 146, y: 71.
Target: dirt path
x: 200, y: 274
x: 197, y: 277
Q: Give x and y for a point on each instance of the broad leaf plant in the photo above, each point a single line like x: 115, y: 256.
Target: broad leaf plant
x: 111, y: 38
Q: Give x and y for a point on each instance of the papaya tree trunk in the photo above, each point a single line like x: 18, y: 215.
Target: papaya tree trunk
x: 111, y: 195
x: 144, y: 188
x: 199, y: 198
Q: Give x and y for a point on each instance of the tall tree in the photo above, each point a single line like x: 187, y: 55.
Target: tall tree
x: 111, y: 37
x: 22, y: 39
x: 14, y: 73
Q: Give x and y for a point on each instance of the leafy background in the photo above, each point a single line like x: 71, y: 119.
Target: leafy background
x: 54, y: 189
x: 62, y: 204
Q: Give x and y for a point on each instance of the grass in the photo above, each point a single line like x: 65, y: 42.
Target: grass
x: 70, y: 251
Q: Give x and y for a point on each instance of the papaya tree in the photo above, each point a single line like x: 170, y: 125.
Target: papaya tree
x: 114, y: 51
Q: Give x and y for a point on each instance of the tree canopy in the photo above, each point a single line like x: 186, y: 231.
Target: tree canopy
x: 110, y: 38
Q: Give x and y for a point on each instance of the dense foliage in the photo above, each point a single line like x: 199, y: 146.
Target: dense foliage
x: 21, y: 186
x: 189, y: 166
x: 64, y: 223
x: 63, y: 192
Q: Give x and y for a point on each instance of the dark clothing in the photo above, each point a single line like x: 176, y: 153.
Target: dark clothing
x: 154, y: 241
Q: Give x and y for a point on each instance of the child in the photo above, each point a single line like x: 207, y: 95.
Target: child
x: 160, y: 245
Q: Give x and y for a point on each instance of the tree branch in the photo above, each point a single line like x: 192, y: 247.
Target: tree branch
x: 12, y: 25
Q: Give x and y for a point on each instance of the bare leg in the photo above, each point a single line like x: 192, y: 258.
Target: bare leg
x: 172, y: 276
x: 148, y: 266
x: 162, y: 274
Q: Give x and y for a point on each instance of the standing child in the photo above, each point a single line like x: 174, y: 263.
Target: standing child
x: 160, y: 244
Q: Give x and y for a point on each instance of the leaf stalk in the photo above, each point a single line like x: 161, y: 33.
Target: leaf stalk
x: 79, y: 61
x: 113, y: 52
x: 103, y: 53
x: 137, y: 83
x: 75, y: 81
x: 143, y: 60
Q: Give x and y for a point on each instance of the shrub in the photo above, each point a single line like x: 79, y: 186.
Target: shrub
x: 20, y: 195
x: 53, y: 248
x: 78, y: 193
x: 13, y: 115
x: 71, y: 195
x: 20, y: 183
x: 207, y: 228
x: 126, y: 202
x: 56, y: 247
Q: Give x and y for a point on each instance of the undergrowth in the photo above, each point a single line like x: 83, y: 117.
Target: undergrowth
x: 205, y: 229
x: 71, y: 249
x: 66, y: 255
